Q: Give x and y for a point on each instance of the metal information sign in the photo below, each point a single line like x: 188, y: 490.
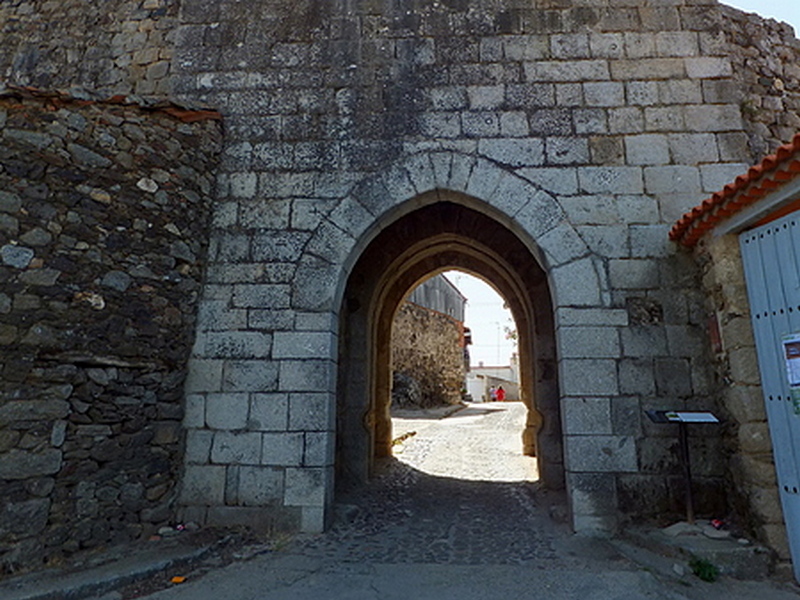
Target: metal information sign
x: 684, y: 418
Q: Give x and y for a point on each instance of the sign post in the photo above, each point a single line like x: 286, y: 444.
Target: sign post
x: 684, y: 418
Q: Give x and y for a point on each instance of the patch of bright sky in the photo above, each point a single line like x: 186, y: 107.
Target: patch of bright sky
x: 787, y: 11
x: 487, y: 319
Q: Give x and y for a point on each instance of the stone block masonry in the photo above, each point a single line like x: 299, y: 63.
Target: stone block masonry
x: 104, y: 212
x: 580, y: 128
x: 754, y: 489
x: 590, y: 127
x: 95, y: 50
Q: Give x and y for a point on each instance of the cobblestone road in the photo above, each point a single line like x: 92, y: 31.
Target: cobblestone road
x: 458, y: 491
x: 455, y: 515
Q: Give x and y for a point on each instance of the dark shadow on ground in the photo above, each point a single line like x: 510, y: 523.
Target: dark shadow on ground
x: 405, y: 515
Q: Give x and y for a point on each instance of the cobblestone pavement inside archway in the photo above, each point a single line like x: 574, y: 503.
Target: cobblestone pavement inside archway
x: 457, y: 491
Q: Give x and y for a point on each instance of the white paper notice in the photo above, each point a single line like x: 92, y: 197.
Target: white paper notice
x: 791, y: 353
x: 697, y: 417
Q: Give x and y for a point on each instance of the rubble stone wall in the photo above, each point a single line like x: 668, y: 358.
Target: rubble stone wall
x: 753, y: 486
x: 765, y: 56
x: 428, y: 346
x: 103, y: 231
x: 89, y: 48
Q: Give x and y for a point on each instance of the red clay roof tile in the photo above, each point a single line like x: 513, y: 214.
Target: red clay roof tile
x: 771, y: 173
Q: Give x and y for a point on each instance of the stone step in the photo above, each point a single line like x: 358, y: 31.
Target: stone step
x: 733, y: 556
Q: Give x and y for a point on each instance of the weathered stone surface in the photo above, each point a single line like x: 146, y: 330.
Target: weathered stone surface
x: 18, y: 257
x: 24, y: 518
x: 426, y: 347
x: 587, y: 416
x: 311, y: 412
x: 282, y: 449
x: 20, y: 464
x: 584, y: 132
x: 236, y: 448
x: 268, y: 412
x: 29, y: 410
x: 97, y: 282
x: 226, y: 411
x: 305, y: 487
x: 206, y: 484
x: 584, y: 377
x: 594, y: 453
x: 259, y: 486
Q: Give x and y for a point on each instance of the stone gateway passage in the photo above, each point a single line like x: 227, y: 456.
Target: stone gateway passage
x: 459, y: 491
x: 210, y: 212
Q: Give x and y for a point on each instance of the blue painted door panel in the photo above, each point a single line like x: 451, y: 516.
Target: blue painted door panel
x: 771, y: 257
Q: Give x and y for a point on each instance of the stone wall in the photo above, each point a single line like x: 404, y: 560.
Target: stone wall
x: 588, y: 127
x: 765, y: 56
x: 92, y: 49
x: 429, y: 347
x: 752, y: 487
x: 103, y: 230
x: 585, y: 127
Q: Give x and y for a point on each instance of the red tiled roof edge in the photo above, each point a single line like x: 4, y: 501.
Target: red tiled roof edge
x: 770, y: 174
x: 187, y: 115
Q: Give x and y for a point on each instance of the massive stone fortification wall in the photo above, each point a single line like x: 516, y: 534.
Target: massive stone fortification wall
x: 617, y: 115
x: 335, y: 109
x: 91, y: 48
x: 103, y: 231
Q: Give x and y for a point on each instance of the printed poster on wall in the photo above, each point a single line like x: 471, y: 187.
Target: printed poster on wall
x: 791, y: 353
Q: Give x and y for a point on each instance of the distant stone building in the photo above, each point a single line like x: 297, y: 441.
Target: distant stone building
x: 196, y: 317
x: 429, y: 350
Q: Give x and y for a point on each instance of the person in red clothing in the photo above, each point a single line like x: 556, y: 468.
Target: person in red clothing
x: 501, y: 394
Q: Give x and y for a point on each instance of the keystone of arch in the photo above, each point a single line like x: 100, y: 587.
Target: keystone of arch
x: 425, y: 178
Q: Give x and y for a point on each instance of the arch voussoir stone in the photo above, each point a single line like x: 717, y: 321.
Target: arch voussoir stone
x: 528, y: 208
x: 351, y: 216
x: 561, y: 245
x: 397, y: 181
x: 315, y: 285
x: 511, y: 196
x: 372, y: 194
x: 460, y: 169
x: 539, y: 214
x: 442, y: 163
x: 484, y: 179
x: 331, y: 243
x: 421, y: 172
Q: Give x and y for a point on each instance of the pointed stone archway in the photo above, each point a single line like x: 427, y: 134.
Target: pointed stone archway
x: 440, y: 210
x: 449, y: 230
x: 313, y: 397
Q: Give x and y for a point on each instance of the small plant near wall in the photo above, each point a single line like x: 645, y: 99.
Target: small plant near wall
x: 704, y: 569
x: 749, y: 108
